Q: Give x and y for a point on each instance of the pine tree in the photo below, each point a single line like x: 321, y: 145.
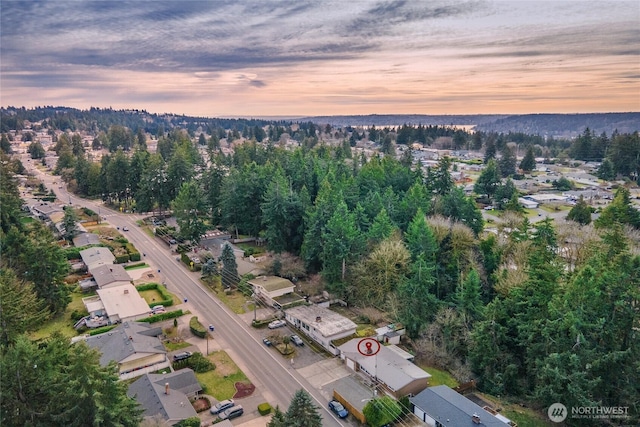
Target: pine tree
x: 278, y: 419
x: 229, y: 267
x: 528, y: 163
x: 580, y: 213
x: 302, y: 412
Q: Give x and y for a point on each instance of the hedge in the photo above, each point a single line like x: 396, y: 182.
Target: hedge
x: 264, y: 408
x: 197, y: 328
x: 121, y: 259
x: 167, y: 299
x: 162, y: 316
x: 102, y: 330
x: 134, y: 255
x: 197, y: 362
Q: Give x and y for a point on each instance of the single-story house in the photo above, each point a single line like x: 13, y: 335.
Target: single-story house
x: 110, y: 275
x: 353, y: 395
x: 117, y: 304
x: 527, y: 203
x: 134, y: 346
x: 43, y: 210
x: 395, y: 374
x: 167, y: 395
x: 93, y: 257
x: 441, y: 406
x: 321, y: 324
x: 268, y: 288
x: 86, y: 239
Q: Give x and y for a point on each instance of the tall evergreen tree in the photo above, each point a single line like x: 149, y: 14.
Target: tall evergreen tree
x: 580, y: 212
x: 229, y: 271
x: 528, y: 163
x: 302, y: 412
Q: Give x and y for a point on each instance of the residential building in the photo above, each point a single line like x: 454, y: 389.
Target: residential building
x: 389, y: 370
x: 86, y: 239
x: 110, y: 275
x: 167, y: 395
x: 134, y: 346
x: 441, y: 406
x: 117, y: 304
x: 93, y: 257
x: 321, y: 324
x: 268, y: 288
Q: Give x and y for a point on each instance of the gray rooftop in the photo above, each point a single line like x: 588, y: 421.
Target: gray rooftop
x: 150, y: 392
x: 127, y: 339
x: 109, y: 273
x: 330, y: 323
x: 388, y: 366
x: 86, y: 239
x: 450, y: 408
x: 96, y: 256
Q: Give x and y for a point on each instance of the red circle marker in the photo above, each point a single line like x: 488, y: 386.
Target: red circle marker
x: 366, y: 347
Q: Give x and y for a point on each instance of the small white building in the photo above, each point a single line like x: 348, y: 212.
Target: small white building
x: 321, y: 324
x: 528, y: 204
x: 267, y: 288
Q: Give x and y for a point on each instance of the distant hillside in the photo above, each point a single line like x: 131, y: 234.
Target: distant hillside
x: 556, y: 125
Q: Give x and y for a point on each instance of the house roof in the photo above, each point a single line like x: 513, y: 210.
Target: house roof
x: 86, y: 239
x: 123, y: 301
x: 330, y: 323
x: 127, y: 339
x: 448, y: 407
x: 271, y: 283
x: 387, y: 366
x: 95, y: 256
x: 109, y: 273
x: 150, y: 392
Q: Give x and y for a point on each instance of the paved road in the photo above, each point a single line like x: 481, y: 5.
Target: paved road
x: 274, y: 377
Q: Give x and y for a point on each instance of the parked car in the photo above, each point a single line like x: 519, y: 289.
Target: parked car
x: 221, y: 406
x: 231, y: 413
x: 296, y: 340
x: 266, y: 342
x: 156, y: 308
x: 277, y: 324
x: 338, y: 409
x: 182, y: 356
x: 125, y: 228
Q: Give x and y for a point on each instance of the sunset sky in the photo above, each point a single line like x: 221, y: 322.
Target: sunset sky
x: 295, y: 58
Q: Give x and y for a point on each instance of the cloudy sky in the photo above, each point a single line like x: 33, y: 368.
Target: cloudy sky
x: 317, y: 57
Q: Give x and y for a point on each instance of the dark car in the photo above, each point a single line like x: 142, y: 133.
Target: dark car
x: 182, y: 356
x: 221, y: 406
x: 266, y: 342
x: 338, y: 409
x: 296, y: 340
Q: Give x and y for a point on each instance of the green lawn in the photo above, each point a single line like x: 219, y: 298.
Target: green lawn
x: 173, y: 346
x: 235, y: 300
x: 63, y: 323
x: 439, y: 377
x: 219, y: 383
x: 151, y: 296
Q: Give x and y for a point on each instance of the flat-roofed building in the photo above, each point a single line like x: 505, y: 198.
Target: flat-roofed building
x: 122, y: 303
x: 268, y: 288
x: 321, y: 324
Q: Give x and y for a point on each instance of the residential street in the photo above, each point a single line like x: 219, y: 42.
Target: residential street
x: 272, y: 376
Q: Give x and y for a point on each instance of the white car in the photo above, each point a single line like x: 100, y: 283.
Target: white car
x: 277, y: 324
